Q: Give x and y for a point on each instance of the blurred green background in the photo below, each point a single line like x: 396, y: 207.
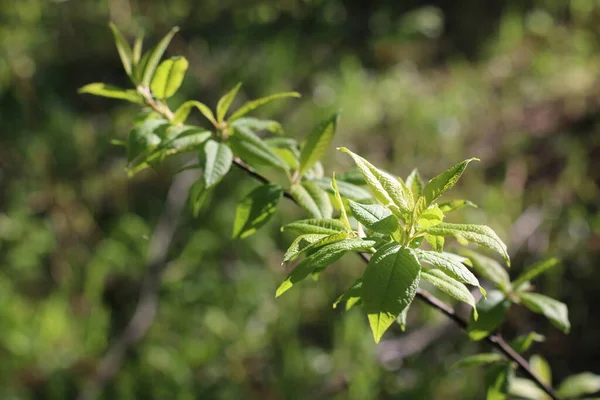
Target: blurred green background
x: 420, y: 83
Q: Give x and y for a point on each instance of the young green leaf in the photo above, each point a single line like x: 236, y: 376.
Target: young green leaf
x: 350, y: 296
x: 535, y: 270
x: 325, y: 226
x: 431, y: 217
x: 479, y: 234
x: 352, y: 175
x: 552, y: 309
x: 497, y: 381
x: 522, y: 343
x: 256, y: 209
x: 415, y: 183
x: 184, y: 110
x: 390, y: 283
x: 183, y: 138
x: 254, y: 104
x: 374, y: 217
x: 313, y: 199
x: 136, y: 54
x: 253, y: 150
x: 492, y: 310
x: 440, y: 184
x: 488, y: 268
x: 317, y: 143
x: 321, y: 258
x: 401, y: 320
x: 153, y: 57
x: 478, y: 360
x: 300, y: 244
x: 436, y: 242
x: 347, y: 190
x: 104, y: 90
x: 454, y: 205
x: 526, y: 389
x: 451, y: 265
x: 579, y: 385
x: 218, y: 159
x: 541, y: 368
x: 387, y: 189
x: 197, y: 195
x: 225, y: 102
x: 257, y: 125
x: 168, y: 77
x: 123, y: 48
x: 450, y: 286
x: 339, y: 203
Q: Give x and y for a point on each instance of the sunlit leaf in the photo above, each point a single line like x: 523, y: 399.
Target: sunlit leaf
x: 104, y: 90
x: 431, y: 217
x: 415, y: 183
x: 390, y: 283
x: 478, y: 360
x: 257, y: 125
x: 578, y: 385
x: 184, y: 110
x: 347, y: 190
x: 301, y: 243
x: 436, y: 242
x: 497, y: 380
x: 253, y: 150
x: 351, y: 296
x: 256, y: 209
x: 526, y: 389
x: 225, y: 102
x: 450, y: 286
x: 535, y: 270
x: 254, y: 104
x: 218, y: 159
x: 123, y: 48
x: 454, y: 205
x: 340, y: 203
x: 317, y: 143
x: 374, y: 217
x: 492, y: 311
x: 154, y: 56
x: 321, y: 258
x: 450, y: 264
x: 313, y: 199
x: 168, y: 77
x: 488, y: 268
x: 326, y: 226
x: 552, y: 309
x: 479, y: 234
x: 522, y: 343
x: 143, y: 138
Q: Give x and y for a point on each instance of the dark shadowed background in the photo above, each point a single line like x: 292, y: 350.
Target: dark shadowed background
x: 420, y: 83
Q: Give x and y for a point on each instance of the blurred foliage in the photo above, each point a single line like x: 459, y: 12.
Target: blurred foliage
x: 420, y: 84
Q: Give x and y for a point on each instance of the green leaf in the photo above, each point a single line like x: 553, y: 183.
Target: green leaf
x: 552, y: 309
x: 451, y: 265
x: 579, y: 385
x: 256, y: 209
x: 253, y: 150
x: 313, y: 199
x: 541, y: 368
x: 104, y: 90
x: 184, y: 138
x: 436, y: 242
x: 143, y: 138
x: 535, y: 270
x: 527, y: 389
x: 256, y: 125
x: 440, y: 184
x: 522, y: 343
x: 218, y: 159
x: 225, y: 102
x: 254, y: 104
x: 401, y: 320
x: 353, y: 176
x: 347, y: 190
x: 351, y: 296
x: 387, y: 189
x: 317, y: 143
x: 454, y: 205
x: 478, y: 360
x: 136, y: 54
x: 390, y: 283
x: 488, y: 268
x: 497, y: 380
x: 415, y: 183
x: 154, y: 56
x: 479, y: 234
x: 431, y: 217
x: 339, y: 203
x: 450, y: 286
x: 197, y: 195
x: 300, y: 244
x: 123, y: 48
x: 184, y: 110
x: 374, y: 217
x: 492, y: 310
x: 168, y: 77
x: 325, y: 226
x: 321, y: 258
